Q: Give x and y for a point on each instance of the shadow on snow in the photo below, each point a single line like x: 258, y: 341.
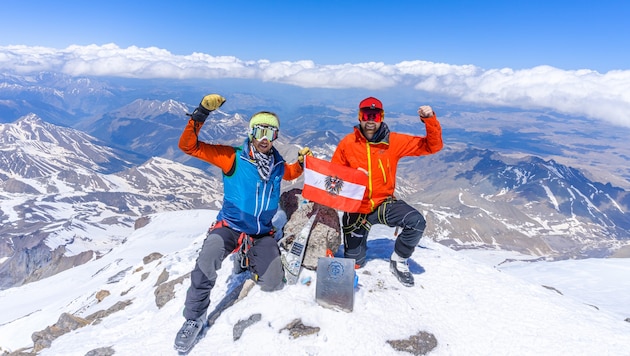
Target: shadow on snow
x: 381, y: 249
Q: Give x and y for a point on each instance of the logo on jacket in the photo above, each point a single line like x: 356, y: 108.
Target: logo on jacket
x: 333, y: 185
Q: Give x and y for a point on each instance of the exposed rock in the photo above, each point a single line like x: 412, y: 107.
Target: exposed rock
x: 553, y: 289
x: 13, y: 185
x: 163, y: 277
x: 141, y: 222
x: 296, y: 329
x: 325, y: 236
x: 593, y: 306
x: 95, y: 318
x: 66, y: 323
x: 56, y: 262
x: 166, y: 291
x: 101, y: 351
x: 151, y: 257
x: 20, y: 352
x: 419, y: 344
x: 290, y: 200
x: 118, y: 276
x: 102, y: 294
x: 622, y: 252
x: 241, y: 325
x: 144, y: 276
x: 326, y: 232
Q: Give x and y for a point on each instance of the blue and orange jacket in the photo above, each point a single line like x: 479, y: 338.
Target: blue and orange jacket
x: 249, y: 202
x: 380, y: 158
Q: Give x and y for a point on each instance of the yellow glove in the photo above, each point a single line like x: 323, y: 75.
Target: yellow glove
x: 209, y: 103
x: 212, y: 101
x: 304, y: 152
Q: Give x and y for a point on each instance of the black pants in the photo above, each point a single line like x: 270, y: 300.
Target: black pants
x: 356, y: 228
x: 264, y: 263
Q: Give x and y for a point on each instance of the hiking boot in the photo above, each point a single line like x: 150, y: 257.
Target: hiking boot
x: 399, y: 267
x: 187, y: 335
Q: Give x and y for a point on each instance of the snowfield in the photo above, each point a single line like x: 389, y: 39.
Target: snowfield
x: 473, y: 304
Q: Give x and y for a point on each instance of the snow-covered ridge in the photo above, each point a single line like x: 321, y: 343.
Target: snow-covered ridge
x: 58, y: 191
x: 151, y: 108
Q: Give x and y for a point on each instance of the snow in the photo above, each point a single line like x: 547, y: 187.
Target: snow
x: 470, y: 301
x: 552, y: 198
x: 598, y: 282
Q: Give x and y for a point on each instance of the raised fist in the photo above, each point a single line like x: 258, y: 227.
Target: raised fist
x: 209, y: 103
x: 425, y: 111
x: 304, y: 152
x: 212, y: 102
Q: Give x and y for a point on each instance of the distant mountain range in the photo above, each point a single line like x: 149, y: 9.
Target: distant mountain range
x: 83, y: 160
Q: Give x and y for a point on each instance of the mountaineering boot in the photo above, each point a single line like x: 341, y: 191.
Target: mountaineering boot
x: 187, y: 335
x: 399, y: 267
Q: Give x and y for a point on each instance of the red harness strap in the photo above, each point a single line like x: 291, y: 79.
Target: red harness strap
x: 243, y: 237
x: 243, y: 244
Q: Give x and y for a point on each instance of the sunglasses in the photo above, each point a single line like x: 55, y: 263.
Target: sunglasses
x: 268, y: 132
x: 371, y: 115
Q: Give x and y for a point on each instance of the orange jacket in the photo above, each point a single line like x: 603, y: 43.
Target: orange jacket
x: 221, y: 156
x: 380, y: 159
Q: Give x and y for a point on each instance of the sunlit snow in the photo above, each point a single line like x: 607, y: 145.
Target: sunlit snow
x: 472, y: 302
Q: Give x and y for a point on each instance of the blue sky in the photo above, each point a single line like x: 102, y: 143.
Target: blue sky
x: 571, y: 57
x: 491, y: 34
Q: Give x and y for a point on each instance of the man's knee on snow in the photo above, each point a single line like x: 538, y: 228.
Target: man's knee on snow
x: 211, y: 256
x: 273, y: 278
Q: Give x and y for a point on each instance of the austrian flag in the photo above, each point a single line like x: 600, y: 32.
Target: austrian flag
x: 333, y: 185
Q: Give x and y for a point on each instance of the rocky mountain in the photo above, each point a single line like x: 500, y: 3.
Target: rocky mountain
x: 33, y: 148
x: 61, y: 99
x: 481, y: 199
x: 65, y: 198
x: 152, y: 128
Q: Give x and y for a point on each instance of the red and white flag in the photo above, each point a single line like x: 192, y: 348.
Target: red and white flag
x: 333, y: 185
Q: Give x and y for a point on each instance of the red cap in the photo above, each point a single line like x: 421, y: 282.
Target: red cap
x: 371, y: 103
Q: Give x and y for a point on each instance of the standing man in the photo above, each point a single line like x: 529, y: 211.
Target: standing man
x: 252, y: 176
x: 372, y: 148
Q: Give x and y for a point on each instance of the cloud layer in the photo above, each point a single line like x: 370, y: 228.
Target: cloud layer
x: 580, y: 92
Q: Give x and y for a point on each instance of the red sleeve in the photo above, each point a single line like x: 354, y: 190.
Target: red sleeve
x: 408, y: 145
x: 292, y: 171
x: 219, y: 155
x: 434, y: 135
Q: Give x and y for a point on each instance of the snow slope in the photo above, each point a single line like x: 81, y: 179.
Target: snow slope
x: 472, y: 307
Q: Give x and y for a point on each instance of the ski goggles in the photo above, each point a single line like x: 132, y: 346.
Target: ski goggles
x: 269, y: 132
x: 375, y: 115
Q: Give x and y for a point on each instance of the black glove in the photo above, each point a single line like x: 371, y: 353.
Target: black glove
x: 200, y: 114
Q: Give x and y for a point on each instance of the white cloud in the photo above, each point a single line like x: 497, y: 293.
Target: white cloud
x: 578, y: 92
